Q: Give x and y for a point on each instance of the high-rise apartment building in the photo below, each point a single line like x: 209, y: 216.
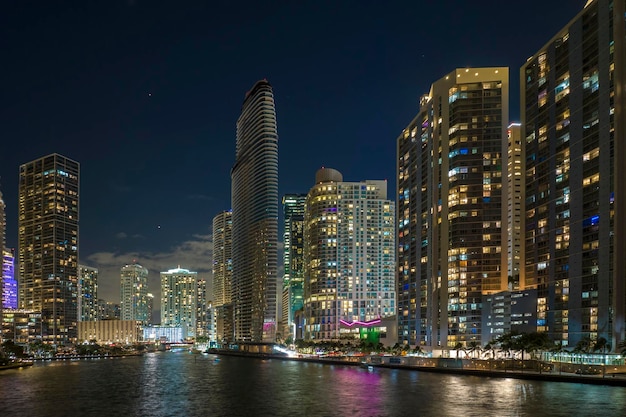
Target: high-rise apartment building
x: 108, y: 310
x: 293, y: 263
x: 222, y: 258
x: 349, y: 256
x: 9, y: 283
x: 87, y: 293
x: 574, y: 121
x: 3, y: 292
x: 150, y: 299
x: 513, y: 188
x: 134, y: 293
x: 202, y: 308
x: 48, y: 244
x: 222, y: 276
x: 179, y: 300
x: 3, y: 223
x: 451, y: 236
x: 254, y: 183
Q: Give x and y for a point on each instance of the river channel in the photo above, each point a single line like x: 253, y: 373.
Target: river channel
x: 188, y: 385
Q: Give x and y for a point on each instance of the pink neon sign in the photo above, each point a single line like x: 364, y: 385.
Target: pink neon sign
x: 362, y: 323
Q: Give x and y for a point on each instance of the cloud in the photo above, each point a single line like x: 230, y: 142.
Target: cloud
x: 194, y: 254
x: 121, y: 235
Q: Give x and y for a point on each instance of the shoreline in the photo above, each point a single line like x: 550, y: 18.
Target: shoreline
x: 527, y: 375
x: 16, y: 365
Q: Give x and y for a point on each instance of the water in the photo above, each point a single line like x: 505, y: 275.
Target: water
x: 188, y: 385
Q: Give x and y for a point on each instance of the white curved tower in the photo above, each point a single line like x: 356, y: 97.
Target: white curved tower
x: 254, y: 193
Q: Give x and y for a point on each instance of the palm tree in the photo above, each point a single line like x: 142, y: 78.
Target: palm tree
x: 458, y: 347
x: 418, y: 350
x: 601, y: 345
x: 584, y: 345
x: 474, y: 347
x: 491, y: 347
x: 535, y: 341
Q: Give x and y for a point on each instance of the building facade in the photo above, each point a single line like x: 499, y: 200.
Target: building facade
x: 451, y: 236
x: 349, y: 257
x: 222, y: 258
x: 108, y: 310
x: 574, y: 119
x: 9, y: 283
x: 48, y: 244
x: 203, y: 306
x: 20, y: 326
x: 121, y: 332
x: 134, y: 293
x: 179, y: 300
x: 150, y: 298
x: 222, y: 266
x: 87, y: 293
x: 509, y: 312
x: 254, y: 193
x: 513, y: 188
x: 3, y: 292
x: 293, y: 264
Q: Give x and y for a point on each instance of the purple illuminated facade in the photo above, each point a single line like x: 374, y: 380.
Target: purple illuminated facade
x: 9, y: 284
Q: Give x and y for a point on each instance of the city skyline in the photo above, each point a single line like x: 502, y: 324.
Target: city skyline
x: 144, y: 111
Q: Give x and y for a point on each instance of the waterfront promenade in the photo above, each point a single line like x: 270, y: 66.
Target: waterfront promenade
x: 444, y: 366
x: 14, y: 365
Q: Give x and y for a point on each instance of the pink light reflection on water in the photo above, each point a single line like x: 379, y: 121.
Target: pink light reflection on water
x: 360, y: 391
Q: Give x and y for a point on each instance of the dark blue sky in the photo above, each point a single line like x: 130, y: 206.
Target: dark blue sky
x: 146, y: 94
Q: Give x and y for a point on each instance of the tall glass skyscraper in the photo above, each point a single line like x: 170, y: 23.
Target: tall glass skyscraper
x: 8, y: 284
x: 87, y: 293
x: 451, y: 236
x: 293, y: 262
x: 222, y: 275
x: 349, y: 256
x: 573, y: 107
x: 134, y: 293
x: 48, y: 244
x: 254, y: 193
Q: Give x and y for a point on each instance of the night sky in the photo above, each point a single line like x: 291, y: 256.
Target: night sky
x: 146, y: 95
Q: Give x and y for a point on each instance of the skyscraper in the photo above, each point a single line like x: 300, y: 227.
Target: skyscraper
x: 3, y: 223
x: 254, y: 183
x: 450, y: 211
x: 222, y: 275
x: 48, y: 244
x: 9, y: 283
x: 134, y: 293
x: 293, y: 262
x: 203, y: 305
x: 573, y: 108
x: 179, y: 300
x: 349, y: 256
x: 222, y: 258
x: 514, y: 187
x: 150, y: 307
x: 87, y: 293
x: 6, y: 269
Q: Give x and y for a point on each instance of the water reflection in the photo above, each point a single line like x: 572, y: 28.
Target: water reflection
x: 182, y: 384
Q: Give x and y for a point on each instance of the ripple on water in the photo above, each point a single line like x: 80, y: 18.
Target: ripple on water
x: 181, y: 384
